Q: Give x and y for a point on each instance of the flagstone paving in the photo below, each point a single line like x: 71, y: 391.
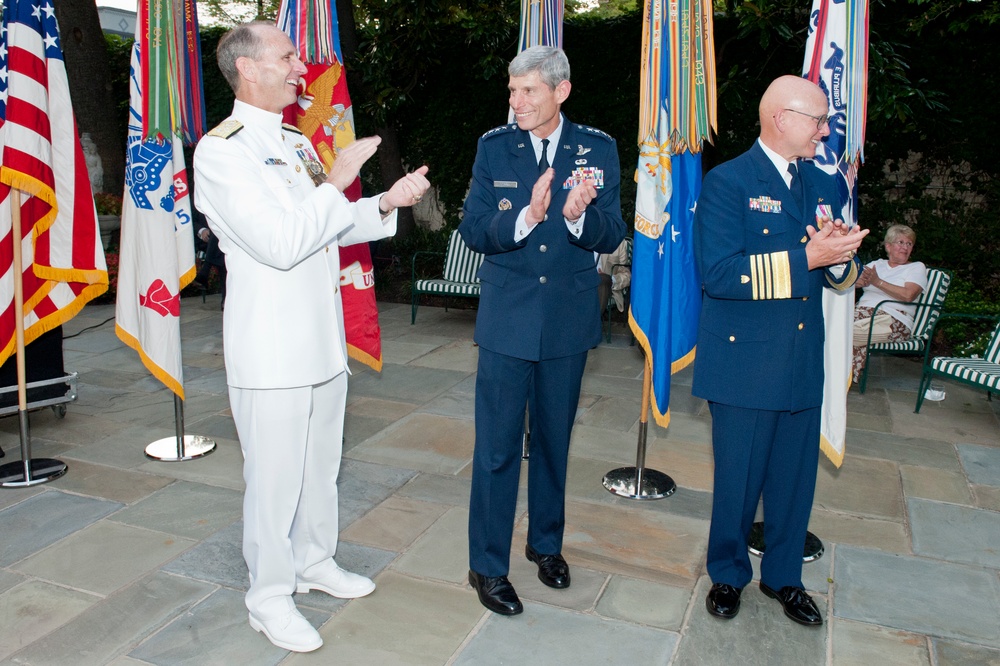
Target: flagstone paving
x: 129, y: 561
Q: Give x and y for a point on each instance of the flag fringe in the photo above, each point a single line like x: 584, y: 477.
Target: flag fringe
x: 154, y: 369
x: 362, y: 356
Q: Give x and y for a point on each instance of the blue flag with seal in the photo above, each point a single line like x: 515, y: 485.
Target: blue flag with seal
x: 677, y: 112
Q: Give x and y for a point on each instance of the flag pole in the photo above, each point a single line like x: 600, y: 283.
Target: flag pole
x: 639, y: 482
x: 180, y: 446
x: 30, y: 471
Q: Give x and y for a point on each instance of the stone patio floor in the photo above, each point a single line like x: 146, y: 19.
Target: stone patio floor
x: 127, y: 560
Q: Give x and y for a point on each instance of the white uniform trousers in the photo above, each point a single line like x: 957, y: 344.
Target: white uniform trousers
x: 292, y: 444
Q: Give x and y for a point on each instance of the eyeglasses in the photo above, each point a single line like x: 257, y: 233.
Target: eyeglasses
x: 821, y: 121
x: 902, y: 243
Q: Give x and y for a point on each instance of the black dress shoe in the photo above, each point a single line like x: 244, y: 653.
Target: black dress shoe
x: 552, y: 569
x: 799, y: 606
x: 724, y: 600
x: 496, y: 593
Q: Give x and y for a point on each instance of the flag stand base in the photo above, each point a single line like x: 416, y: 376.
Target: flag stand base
x: 639, y: 482
x: 812, y: 551
x: 643, y: 484
x: 29, y: 471
x: 39, y: 470
x: 168, y: 450
x: 180, y: 447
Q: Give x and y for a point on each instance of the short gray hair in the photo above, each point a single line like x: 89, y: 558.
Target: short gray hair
x: 897, y: 231
x: 242, y: 41
x: 550, y: 62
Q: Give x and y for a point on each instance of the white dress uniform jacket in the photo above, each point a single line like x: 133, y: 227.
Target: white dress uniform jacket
x: 283, y: 323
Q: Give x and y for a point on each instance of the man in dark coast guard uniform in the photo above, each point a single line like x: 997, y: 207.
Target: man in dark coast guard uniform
x: 544, y: 199
x: 767, y: 244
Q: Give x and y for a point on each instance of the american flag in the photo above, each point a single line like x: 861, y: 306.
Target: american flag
x: 63, y: 260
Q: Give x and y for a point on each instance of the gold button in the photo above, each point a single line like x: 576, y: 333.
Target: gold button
x: 766, y: 232
x: 803, y: 239
x: 805, y: 298
x: 801, y: 326
x: 328, y: 248
x: 297, y: 168
x: 732, y: 338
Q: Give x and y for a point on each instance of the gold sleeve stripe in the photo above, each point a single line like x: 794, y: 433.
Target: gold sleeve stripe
x: 754, y: 279
x: 782, y: 275
x: 770, y: 276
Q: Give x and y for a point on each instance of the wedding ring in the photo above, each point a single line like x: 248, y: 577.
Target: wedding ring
x: 417, y: 199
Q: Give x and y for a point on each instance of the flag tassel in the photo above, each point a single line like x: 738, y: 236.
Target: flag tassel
x: 639, y: 482
x: 28, y: 472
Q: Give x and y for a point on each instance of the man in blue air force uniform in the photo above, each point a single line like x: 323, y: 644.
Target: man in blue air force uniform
x: 764, y: 265
x: 539, y: 227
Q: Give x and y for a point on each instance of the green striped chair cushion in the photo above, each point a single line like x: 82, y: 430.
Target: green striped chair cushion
x: 974, y: 370
x: 461, y: 263
x: 447, y: 287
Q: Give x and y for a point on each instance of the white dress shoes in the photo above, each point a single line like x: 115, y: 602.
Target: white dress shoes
x: 337, y: 583
x: 289, y: 631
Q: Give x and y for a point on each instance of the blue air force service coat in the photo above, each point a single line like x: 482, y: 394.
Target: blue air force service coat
x: 539, y: 295
x: 760, y: 342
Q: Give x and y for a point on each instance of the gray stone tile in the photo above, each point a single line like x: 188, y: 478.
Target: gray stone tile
x: 425, y: 442
x: 33, y: 609
x: 544, y: 635
x: 362, y: 486
x: 936, y: 484
x: 442, y: 552
x: 395, y: 523
x: 192, y: 510
x: 456, y: 403
x: 951, y: 653
x: 111, y: 483
x: 903, y: 450
x: 450, y: 490
x: 44, y: 519
x: 458, y: 355
x: 615, y: 361
x: 406, y: 383
x: 644, y: 602
x: 217, y: 560
x: 612, y: 414
x: 759, y: 636
x: 12, y: 496
x: 917, y: 595
x: 215, y: 631
x: 103, y: 557
x: 862, y: 487
x: 116, y: 625
x: 981, y: 463
x: 9, y: 579
x: 392, y: 625
x: 955, y: 533
x: 858, y: 644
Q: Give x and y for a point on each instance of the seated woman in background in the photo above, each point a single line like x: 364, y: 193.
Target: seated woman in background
x: 896, y: 279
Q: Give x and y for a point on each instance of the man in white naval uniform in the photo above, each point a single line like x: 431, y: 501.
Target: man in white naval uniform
x: 283, y: 328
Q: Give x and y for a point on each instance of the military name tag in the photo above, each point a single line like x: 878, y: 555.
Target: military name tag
x: 505, y: 183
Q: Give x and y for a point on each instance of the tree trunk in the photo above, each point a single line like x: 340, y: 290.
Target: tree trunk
x: 89, y: 77
x: 389, y: 155
x: 391, y: 162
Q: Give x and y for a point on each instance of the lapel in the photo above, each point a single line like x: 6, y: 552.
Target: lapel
x: 522, y: 159
x: 563, y: 162
x: 772, y: 182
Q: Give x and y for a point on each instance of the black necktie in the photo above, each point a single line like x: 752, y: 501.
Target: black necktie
x: 796, y: 185
x: 543, y: 163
